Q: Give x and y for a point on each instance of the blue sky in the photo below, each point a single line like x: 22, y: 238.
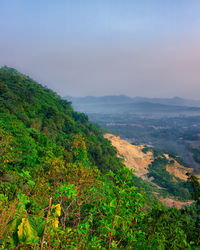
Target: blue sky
x: 102, y: 47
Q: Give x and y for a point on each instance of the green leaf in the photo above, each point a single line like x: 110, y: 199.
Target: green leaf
x: 32, y: 183
x: 26, y: 233
x: 113, y: 203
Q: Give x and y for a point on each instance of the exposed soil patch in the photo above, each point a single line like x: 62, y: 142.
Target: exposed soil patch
x: 135, y: 158
x: 174, y: 202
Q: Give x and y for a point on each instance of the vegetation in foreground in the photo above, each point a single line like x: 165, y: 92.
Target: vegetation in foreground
x: 62, y: 186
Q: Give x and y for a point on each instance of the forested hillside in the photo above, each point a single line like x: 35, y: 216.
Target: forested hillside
x: 63, y: 187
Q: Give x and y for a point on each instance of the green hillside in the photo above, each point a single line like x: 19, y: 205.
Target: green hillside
x: 62, y: 186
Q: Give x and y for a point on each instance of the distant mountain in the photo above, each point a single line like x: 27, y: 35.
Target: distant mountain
x: 114, y: 99
x: 57, y: 167
x: 125, y: 104
x: 101, y: 99
x: 177, y: 101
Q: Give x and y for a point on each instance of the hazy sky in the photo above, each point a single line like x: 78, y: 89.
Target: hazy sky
x: 102, y: 47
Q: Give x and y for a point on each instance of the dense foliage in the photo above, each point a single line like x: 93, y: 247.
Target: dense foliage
x: 62, y: 186
x: 173, y: 185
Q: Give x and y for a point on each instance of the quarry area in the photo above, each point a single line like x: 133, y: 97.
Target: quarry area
x: 134, y: 158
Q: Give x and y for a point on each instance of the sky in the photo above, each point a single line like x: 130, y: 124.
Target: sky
x: 148, y: 48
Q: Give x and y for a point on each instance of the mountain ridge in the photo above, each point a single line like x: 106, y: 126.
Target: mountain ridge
x: 63, y: 187
x: 175, y: 101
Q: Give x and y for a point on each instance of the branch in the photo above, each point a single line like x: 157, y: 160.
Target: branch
x: 45, y: 228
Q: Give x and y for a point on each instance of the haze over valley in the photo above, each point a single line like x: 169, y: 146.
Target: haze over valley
x: 100, y: 124
x: 169, y: 124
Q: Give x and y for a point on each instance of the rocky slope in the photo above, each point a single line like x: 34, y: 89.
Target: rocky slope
x: 135, y: 158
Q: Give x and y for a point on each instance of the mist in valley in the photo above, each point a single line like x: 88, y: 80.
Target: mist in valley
x: 170, y: 125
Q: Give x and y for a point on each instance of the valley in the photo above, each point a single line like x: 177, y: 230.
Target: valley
x: 172, y: 129
x: 66, y: 183
x: 100, y: 125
